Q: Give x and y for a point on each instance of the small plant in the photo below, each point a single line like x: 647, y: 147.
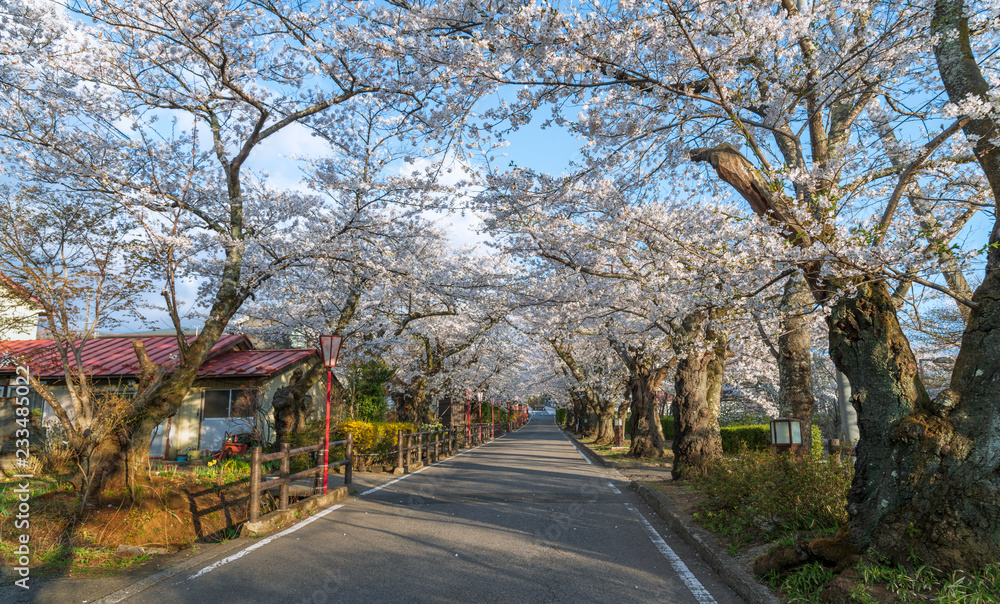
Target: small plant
x: 803, y: 584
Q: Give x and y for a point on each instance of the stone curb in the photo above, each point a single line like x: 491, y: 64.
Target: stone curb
x: 609, y: 464
x: 703, y: 542
x: 278, y: 518
x: 700, y: 540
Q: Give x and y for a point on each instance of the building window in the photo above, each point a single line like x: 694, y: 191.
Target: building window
x: 225, y: 404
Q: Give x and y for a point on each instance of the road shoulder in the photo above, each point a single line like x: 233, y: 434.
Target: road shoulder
x: 701, y: 541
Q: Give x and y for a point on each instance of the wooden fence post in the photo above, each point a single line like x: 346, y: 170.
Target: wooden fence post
x: 349, y: 470
x: 399, y: 449
x: 254, y: 484
x: 437, y: 446
x: 286, y: 468
x: 409, y: 449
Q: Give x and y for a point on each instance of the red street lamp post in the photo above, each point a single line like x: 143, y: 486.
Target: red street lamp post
x: 479, y: 416
x: 468, y: 416
x: 329, y: 347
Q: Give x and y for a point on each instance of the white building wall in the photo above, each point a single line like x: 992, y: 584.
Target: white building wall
x: 18, y: 321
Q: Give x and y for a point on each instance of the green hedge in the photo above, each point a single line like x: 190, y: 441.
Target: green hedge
x: 667, y: 423
x: 758, y: 438
x: 560, y: 416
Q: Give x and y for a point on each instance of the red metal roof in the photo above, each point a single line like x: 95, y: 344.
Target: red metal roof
x: 253, y: 363
x: 110, y: 356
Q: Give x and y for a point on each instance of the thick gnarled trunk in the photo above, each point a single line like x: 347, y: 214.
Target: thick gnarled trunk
x: 926, y: 474
x: 605, y: 424
x: 647, y: 433
x: 696, y: 408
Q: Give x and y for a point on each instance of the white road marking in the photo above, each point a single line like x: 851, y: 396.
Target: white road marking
x: 124, y: 593
x: 614, y: 488
x: 392, y: 482
x: 585, y: 458
x: 264, y: 542
x: 697, y: 589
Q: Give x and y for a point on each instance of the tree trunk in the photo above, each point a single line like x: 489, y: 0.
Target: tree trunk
x: 928, y: 472
x: 647, y: 432
x: 795, y: 396
x: 605, y: 424
x: 579, y: 412
x: 590, y: 403
x: 411, y: 402
x: 698, y: 402
x: 291, y: 406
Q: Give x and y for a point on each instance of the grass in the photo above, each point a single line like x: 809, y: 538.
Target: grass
x: 621, y: 453
x: 802, y: 585
x: 755, y: 498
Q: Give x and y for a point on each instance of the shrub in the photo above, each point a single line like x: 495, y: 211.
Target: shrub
x: 560, y: 416
x: 667, y: 423
x: 758, y: 438
x: 372, y: 437
x: 757, y: 494
x: 752, y: 438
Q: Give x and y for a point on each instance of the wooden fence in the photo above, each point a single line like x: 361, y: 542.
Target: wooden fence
x: 428, y: 448
x: 284, y: 478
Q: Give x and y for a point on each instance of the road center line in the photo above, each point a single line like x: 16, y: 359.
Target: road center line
x: 697, y: 589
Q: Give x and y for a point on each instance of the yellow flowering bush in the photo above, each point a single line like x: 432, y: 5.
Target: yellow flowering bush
x: 372, y: 437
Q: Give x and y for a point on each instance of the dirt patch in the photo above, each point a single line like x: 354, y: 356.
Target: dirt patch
x: 175, y: 513
x: 684, y: 497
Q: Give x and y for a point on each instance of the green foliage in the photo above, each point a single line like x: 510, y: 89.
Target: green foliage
x: 802, y: 584
x: 743, y: 418
x: 667, y: 423
x: 914, y: 583
x: 758, y: 438
x: 752, y: 438
x: 561, y: 416
x: 366, y: 384
x: 759, y: 494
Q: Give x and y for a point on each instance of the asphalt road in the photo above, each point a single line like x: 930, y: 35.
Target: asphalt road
x: 525, y: 518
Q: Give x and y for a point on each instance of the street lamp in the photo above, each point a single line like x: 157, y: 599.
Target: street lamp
x: 786, y: 435
x: 329, y: 348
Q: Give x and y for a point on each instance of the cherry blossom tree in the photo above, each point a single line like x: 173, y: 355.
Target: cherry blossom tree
x: 804, y: 110
x: 165, y: 108
x: 659, y: 281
